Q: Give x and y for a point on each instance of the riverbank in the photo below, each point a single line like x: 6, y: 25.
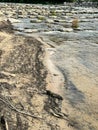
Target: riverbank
x: 26, y: 101
x: 48, y: 69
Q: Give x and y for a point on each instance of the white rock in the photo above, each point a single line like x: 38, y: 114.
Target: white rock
x: 67, y: 29
x: 12, y: 20
x: 49, y: 21
x: 30, y: 30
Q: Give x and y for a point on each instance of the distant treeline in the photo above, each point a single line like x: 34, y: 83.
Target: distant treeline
x: 45, y: 1
x: 34, y: 1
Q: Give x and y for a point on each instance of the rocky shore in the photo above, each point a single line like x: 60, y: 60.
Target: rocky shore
x: 48, y: 67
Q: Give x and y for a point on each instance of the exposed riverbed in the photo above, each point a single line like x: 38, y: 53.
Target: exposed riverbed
x: 71, y: 59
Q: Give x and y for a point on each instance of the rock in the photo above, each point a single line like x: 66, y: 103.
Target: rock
x: 49, y: 21
x: 6, y: 26
x: 69, y: 14
x: 30, y: 30
x: 35, y: 21
x: 56, y: 20
x: 1, y: 14
x: 67, y: 29
x: 19, y: 13
x: 40, y: 17
x: 53, y: 17
x: 59, y: 11
x: 12, y: 20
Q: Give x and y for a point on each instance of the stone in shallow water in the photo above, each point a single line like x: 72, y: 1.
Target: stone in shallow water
x: 30, y: 30
x: 49, y: 20
x: 68, y: 29
x: 35, y: 21
x: 12, y: 20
